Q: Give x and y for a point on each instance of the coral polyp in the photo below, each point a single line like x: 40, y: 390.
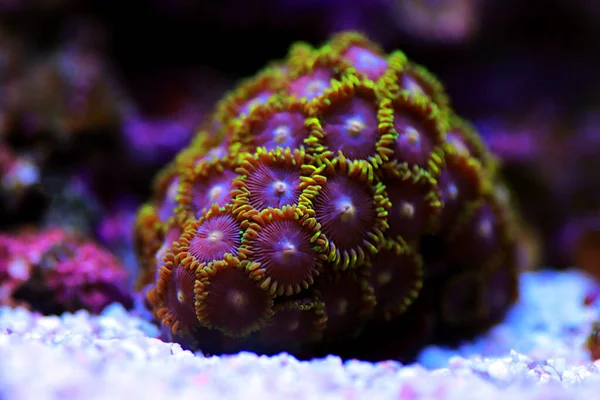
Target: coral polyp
x: 172, y: 234
x: 209, y: 183
x: 365, y: 61
x: 481, y: 233
x: 174, y: 297
x: 396, y: 275
x: 250, y: 94
x: 414, y: 205
x: 147, y: 243
x: 229, y: 300
x: 211, y: 237
x: 311, y: 85
x: 419, y: 129
x: 287, y: 249
x: 349, y: 301
x: 351, y: 211
x: 365, y: 57
x: 168, y: 184
x: 459, y: 183
x: 417, y: 80
x: 333, y: 200
x: 347, y: 121
x: 270, y: 179
x: 278, y: 123
x: 465, y: 140
x: 294, y: 321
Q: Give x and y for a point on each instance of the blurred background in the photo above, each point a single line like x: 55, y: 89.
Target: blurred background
x: 97, y: 96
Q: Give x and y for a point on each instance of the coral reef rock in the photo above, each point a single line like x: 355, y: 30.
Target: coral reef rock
x: 54, y: 271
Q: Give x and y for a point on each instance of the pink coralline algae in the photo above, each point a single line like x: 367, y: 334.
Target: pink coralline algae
x: 54, y: 271
x: 334, y: 203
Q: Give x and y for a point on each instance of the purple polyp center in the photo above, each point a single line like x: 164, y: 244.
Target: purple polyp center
x: 215, y: 237
x: 284, y: 129
x: 216, y: 191
x: 273, y: 187
x: 367, y: 62
x: 412, y: 144
x: 352, y: 128
x: 311, y: 86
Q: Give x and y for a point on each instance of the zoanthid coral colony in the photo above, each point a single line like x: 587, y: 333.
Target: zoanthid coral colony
x: 333, y: 203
